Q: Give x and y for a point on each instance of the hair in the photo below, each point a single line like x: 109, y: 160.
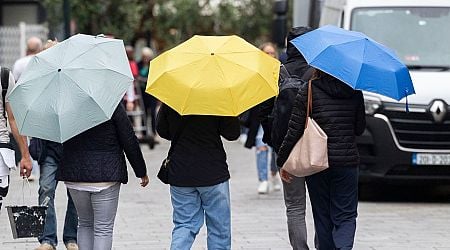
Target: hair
x: 34, y: 45
x: 317, y: 74
x: 267, y: 44
x: 146, y: 51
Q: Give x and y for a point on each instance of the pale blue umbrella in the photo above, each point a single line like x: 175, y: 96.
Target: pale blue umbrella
x: 71, y: 87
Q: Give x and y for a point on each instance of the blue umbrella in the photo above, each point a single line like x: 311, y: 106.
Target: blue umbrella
x: 357, y: 60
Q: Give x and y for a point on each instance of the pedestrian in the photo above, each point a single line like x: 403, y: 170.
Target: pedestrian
x: 130, y: 95
x: 93, y: 167
x: 34, y: 46
x: 150, y: 102
x: 49, y: 159
x: 265, y: 156
x: 198, y: 176
x: 7, y: 161
x: 297, y: 69
x: 339, y: 111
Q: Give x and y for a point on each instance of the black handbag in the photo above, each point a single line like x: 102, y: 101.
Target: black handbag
x: 163, y: 173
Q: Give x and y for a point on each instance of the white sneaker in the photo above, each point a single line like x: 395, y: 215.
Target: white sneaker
x: 263, y: 187
x: 275, y: 183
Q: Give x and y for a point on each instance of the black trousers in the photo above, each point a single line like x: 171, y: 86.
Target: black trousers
x: 334, y: 200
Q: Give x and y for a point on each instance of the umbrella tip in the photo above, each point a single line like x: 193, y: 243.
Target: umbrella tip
x: 59, y: 70
x: 212, y: 53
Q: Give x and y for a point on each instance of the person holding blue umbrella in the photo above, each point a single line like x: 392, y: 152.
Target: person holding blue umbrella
x: 345, y: 63
x: 339, y: 111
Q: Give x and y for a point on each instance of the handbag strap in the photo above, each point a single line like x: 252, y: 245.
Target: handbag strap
x: 177, y: 135
x: 309, y: 104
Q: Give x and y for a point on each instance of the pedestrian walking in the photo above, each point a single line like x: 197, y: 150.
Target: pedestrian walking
x: 150, y: 102
x: 292, y: 76
x: 339, y: 110
x: 198, y: 176
x: 93, y: 167
x: 265, y: 156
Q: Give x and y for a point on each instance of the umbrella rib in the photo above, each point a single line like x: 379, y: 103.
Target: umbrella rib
x: 115, y: 71
x: 74, y: 82
x: 79, y: 55
x: 229, y: 88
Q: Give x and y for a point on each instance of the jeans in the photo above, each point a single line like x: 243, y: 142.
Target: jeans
x: 191, y: 206
x: 334, y: 200
x: 97, y: 212
x: 47, y: 187
x: 295, y: 201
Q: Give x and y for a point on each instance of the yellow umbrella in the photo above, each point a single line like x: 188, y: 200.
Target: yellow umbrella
x: 213, y: 75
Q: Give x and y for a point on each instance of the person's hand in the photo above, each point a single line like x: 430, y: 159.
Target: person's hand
x: 130, y: 106
x: 25, y: 167
x: 285, y: 176
x: 144, y: 181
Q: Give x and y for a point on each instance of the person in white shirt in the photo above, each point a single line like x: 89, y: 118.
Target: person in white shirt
x: 34, y: 46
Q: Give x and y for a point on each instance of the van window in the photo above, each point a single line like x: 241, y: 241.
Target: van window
x: 420, y: 36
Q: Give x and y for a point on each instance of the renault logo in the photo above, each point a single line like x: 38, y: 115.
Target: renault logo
x: 438, y: 110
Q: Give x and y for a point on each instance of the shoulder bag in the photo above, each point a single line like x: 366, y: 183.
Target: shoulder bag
x: 163, y: 173
x: 310, y: 153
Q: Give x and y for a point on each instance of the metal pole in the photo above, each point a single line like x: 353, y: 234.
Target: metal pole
x: 301, y: 13
x: 66, y: 11
x: 23, y: 39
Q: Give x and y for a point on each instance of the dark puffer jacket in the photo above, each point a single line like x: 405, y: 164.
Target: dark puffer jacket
x: 339, y: 111
x: 97, y: 155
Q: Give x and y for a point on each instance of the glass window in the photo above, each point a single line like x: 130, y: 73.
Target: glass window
x: 420, y: 36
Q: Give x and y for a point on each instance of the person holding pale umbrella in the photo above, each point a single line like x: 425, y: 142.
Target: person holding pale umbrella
x: 205, y: 83
x: 71, y: 93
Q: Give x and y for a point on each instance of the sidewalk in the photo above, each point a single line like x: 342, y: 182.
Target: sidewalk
x: 144, y: 216
x: 259, y: 223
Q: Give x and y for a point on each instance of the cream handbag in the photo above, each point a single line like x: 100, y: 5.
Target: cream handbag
x: 310, y: 153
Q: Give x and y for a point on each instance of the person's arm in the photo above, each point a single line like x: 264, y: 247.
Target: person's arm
x: 296, y: 126
x: 130, y: 143
x: 162, y: 123
x: 25, y: 163
x: 360, y: 125
x: 230, y: 128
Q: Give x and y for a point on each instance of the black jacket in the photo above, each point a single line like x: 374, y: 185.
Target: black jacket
x: 296, y: 65
x: 97, y: 155
x: 339, y: 111
x: 198, y: 158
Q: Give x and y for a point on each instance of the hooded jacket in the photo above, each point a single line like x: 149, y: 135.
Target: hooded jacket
x: 339, y: 111
x: 296, y: 65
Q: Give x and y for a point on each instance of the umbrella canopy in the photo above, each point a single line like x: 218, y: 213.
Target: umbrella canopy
x: 213, y: 75
x: 357, y: 60
x: 71, y: 87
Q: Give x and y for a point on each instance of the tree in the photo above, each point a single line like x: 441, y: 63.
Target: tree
x: 168, y: 22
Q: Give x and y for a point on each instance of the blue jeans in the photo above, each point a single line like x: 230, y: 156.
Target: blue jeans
x: 47, y: 187
x: 334, y: 201
x: 191, y: 206
x: 97, y: 211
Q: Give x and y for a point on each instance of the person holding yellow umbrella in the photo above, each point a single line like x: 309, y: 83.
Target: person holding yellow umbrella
x: 204, y: 84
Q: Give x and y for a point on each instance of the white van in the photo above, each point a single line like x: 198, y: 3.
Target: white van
x: 399, y: 145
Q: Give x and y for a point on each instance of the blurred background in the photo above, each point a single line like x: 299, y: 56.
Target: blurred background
x: 158, y: 24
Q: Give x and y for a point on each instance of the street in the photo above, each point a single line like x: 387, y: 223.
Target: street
x: 391, y: 218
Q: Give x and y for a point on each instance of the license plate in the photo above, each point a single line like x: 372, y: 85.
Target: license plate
x: 430, y: 159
